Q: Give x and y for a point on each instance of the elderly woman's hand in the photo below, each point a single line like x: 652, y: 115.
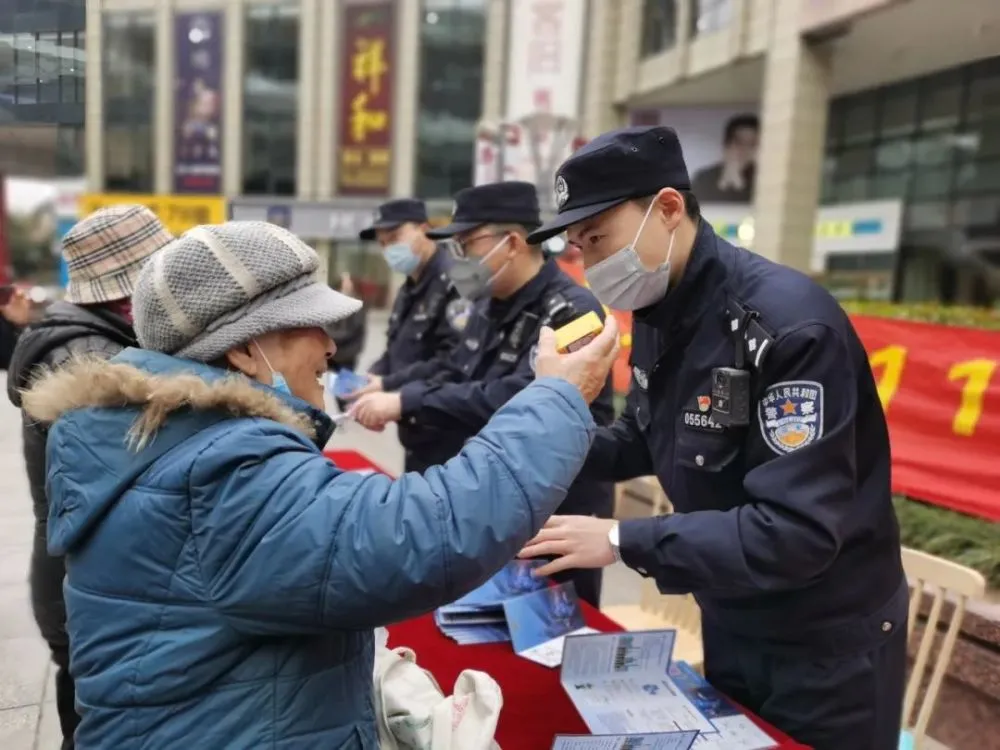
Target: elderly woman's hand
x: 587, y: 368
x: 376, y: 410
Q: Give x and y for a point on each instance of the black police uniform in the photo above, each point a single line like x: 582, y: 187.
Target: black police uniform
x: 421, y: 334
x: 783, y: 527
x: 495, y: 358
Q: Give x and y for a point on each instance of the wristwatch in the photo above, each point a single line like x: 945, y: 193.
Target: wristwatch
x: 613, y: 541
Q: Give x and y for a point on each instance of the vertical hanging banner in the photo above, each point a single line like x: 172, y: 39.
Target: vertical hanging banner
x: 368, y: 74
x: 544, y: 81
x: 198, y: 103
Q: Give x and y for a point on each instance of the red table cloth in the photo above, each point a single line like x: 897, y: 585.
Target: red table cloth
x: 535, y: 707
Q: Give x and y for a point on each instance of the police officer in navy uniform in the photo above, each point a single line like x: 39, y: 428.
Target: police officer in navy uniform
x: 514, y: 291
x: 753, y: 403
x: 421, y: 333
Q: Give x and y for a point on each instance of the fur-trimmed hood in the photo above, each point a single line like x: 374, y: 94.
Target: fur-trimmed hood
x: 170, y: 386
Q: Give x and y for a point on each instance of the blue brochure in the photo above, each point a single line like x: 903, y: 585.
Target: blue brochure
x: 539, y: 621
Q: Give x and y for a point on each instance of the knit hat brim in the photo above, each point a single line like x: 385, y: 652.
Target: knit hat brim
x: 312, y: 306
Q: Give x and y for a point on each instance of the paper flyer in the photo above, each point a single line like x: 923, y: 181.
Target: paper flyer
x: 539, y: 621
x: 626, y: 684
x: 657, y: 741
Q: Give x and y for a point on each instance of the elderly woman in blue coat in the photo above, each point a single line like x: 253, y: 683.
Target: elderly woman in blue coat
x: 223, y: 577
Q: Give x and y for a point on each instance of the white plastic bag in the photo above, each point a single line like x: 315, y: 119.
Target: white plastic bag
x: 413, y: 714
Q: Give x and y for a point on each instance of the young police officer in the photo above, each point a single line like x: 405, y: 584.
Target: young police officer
x: 515, y: 292
x: 421, y: 332
x: 753, y: 402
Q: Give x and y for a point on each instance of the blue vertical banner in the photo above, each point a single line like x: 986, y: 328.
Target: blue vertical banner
x: 63, y: 225
x: 198, y: 103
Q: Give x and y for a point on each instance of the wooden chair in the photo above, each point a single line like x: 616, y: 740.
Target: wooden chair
x: 941, y: 578
x: 657, y: 611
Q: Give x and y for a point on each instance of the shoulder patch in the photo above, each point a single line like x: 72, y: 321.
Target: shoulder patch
x: 790, y: 414
x: 457, y: 313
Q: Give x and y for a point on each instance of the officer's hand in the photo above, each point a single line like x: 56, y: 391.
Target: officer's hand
x: 575, y: 542
x: 376, y: 410
x: 374, y: 385
x: 586, y: 368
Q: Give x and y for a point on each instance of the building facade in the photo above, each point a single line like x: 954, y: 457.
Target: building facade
x: 856, y: 139
x: 308, y: 113
x: 42, y: 87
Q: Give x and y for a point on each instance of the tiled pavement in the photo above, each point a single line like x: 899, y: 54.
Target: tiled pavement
x: 28, y: 718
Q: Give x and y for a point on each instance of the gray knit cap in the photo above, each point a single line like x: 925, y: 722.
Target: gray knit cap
x: 219, y: 286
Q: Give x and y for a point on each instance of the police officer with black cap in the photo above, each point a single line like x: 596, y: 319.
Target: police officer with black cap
x: 421, y: 333
x: 753, y: 403
x: 514, y: 292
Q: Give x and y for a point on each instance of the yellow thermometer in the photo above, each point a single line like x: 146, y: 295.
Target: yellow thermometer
x: 578, y: 333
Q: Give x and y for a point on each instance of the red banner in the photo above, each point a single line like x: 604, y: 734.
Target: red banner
x: 365, y: 153
x: 941, y: 391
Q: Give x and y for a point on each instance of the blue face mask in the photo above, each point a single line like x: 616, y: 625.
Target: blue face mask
x: 278, y: 381
x: 401, y: 258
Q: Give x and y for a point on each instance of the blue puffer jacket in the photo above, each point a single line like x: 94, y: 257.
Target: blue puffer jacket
x: 224, y: 577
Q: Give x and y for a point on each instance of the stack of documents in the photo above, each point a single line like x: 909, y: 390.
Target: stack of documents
x: 631, y: 695
x: 478, y: 617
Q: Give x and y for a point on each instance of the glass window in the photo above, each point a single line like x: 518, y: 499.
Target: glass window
x: 853, y: 162
x: 25, y: 70
x: 890, y: 185
x: 894, y: 154
x: 271, y: 100
x: 899, y: 112
x: 452, y: 38
x: 48, y: 66
x: 941, y: 101
x: 710, y: 15
x: 659, y: 26
x: 7, y: 57
x: 128, y: 81
x: 859, y: 120
x: 931, y: 183
x: 984, y: 96
x: 978, y: 177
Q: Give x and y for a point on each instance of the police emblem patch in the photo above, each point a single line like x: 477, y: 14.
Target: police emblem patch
x: 791, y: 415
x: 562, y: 192
x: 457, y: 313
x: 640, y: 377
x: 532, y: 357
x: 704, y: 403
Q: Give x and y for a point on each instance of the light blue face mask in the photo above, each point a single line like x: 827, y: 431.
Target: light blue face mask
x: 278, y: 381
x: 401, y: 258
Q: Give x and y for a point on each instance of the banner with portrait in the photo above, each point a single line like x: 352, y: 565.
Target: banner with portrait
x: 364, y: 153
x: 719, y: 145
x: 198, y: 103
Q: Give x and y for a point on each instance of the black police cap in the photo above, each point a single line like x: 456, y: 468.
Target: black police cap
x: 496, y: 203
x: 392, y: 214
x: 613, y: 168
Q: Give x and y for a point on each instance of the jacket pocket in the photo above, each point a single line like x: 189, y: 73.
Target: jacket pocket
x: 709, y: 453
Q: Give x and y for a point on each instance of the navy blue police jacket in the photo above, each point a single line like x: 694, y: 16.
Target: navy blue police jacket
x: 783, y: 529
x: 420, y: 336
x: 492, y: 362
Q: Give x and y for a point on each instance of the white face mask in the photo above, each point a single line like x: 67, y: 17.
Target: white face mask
x: 621, y: 282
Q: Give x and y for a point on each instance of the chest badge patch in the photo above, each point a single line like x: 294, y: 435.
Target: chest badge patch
x: 457, y: 314
x: 641, y: 379
x: 791, y: 415
x: 704, y: 403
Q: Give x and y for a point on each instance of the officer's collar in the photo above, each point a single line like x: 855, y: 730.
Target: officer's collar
x: 685, y: 303
x: 513, y: 305
x: 435, y: 266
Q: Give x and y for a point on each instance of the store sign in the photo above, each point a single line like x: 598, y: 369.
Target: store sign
x: 870, y: 227
x: 178, y: 213
x: 198, y: 102
x: 310, y: 221
x: 940, y: 388
x: 368, y: 65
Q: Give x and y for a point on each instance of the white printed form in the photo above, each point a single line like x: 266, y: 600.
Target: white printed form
x: 550, y: 653
x: 657, y: 741
x: 621, y: 685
